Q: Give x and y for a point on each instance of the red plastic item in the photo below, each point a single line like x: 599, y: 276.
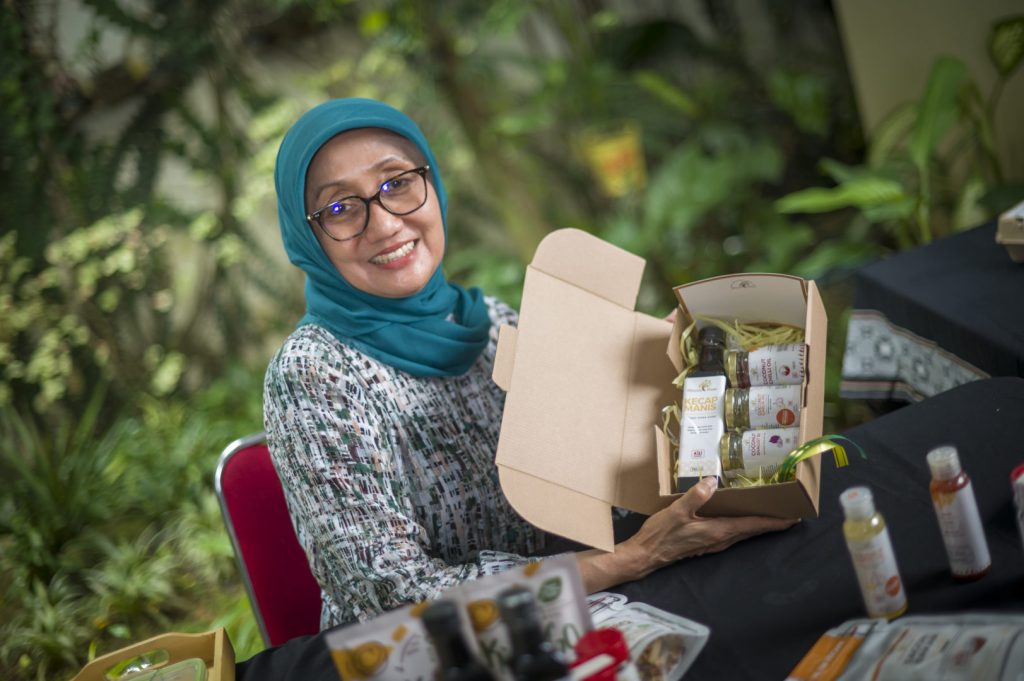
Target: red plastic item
x: 607, y: 641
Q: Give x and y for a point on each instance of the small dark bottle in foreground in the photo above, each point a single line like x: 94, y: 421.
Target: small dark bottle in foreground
x: 455, y: 661
x: 533, y: 657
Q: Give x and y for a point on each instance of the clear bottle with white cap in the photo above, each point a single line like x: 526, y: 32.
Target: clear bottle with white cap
x: 874, y: 561
x: 957, y: 512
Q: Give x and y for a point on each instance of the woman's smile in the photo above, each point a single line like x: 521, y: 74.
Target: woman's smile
x: 396, y: 257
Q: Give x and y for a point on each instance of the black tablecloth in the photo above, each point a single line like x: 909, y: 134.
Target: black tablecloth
x: 768, y: 599
x: 962, y: 295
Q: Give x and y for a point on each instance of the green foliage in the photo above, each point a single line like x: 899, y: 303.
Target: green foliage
x: 110, y: 530
x: 931, y: 167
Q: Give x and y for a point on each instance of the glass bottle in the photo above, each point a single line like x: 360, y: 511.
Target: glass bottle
x: 712, y: 350
x: 874, y: 561
x: 533, y: 657
x: 957, y: 512
x: 769, y: 365
x: 756, y: 453
x: 766, y: 406
x: 455, y: 662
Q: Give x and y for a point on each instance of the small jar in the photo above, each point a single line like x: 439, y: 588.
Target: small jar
x: 766, y: 406
x: 783, y: 364
x: 756, y: 453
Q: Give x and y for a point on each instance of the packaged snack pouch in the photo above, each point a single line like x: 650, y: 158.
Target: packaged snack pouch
x: 561, y: 601
x: 958, y: 647
x: 662, y: 645
x: 391, y: 647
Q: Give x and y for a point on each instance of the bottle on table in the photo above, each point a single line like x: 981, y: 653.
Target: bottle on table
x: 443, y: 623
x: 533, y: 657
x: 957, y: 512
x: 874, y: 561
x: 782, y: 364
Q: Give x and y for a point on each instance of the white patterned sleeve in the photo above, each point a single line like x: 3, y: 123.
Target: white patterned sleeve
x: 341, y: 473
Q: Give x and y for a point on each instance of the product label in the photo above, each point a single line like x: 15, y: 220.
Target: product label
x: 962, y: 531
x: 702, y: 426
x: 875, y: 565
x: 765, y: 450
x: 774, y: 406
x: 777, y: 364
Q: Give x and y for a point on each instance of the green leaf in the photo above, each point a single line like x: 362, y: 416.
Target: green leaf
x: 892, y: 130
x: 861, y: 192
x: 1006, y: 45
x: 840, y: 172
x: 939, y: 109
x: 667, y: 92
x: 804, y: 97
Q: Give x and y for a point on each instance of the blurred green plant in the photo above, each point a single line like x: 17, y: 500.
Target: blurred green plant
x: 931, y: 167
x: 110, y: 530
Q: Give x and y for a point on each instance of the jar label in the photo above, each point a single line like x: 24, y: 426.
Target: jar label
x: 765, y: 450
x: 962, y: 531
x: 777, y: 364
x: 879, y: 579
x: 774, y: 406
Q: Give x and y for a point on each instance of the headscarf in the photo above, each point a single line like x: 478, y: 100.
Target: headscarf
x: 439, y: 331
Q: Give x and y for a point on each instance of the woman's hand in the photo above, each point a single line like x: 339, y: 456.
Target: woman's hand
x: 669, y: 535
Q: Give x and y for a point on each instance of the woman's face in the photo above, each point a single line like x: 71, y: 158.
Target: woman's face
x: 356, y: 163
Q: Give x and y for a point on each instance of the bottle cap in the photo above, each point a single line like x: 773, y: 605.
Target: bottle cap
x: 944, y: 462
x: 602, y: 643
x: 712, y: 334
x: 857, y: 503
x: 441, y: 617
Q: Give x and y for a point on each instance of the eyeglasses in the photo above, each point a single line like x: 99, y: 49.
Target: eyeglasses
x: 349, y: 217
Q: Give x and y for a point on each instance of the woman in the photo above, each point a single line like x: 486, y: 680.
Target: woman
x: 380, y: 411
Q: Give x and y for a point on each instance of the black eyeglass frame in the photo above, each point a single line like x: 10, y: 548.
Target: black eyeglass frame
x: 315, y: 215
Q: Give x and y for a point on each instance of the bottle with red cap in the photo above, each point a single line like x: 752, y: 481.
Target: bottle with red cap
x: 957, y: 512
x: 1017, y: 483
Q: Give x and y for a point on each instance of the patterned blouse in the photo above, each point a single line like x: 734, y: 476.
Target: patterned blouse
x: 390, y: 478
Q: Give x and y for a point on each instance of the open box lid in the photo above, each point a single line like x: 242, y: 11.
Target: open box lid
x: 586, y: 380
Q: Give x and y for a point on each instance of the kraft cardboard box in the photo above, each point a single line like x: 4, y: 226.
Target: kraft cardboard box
x: 587, y: 377
x: 212, y: 647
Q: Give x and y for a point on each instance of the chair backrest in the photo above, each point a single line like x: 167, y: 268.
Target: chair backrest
x: 284, y: 595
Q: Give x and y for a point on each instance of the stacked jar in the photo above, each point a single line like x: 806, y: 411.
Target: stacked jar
x: 762, y: 408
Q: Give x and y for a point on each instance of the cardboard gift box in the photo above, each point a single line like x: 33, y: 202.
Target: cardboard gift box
x: 1010, y: 232
x: 586, y: 378
x: 212, y: 647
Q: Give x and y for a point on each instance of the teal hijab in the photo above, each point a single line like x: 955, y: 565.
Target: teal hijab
x: 439, y: 331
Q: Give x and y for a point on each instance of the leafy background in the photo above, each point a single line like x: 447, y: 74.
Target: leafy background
x: 143, y: 288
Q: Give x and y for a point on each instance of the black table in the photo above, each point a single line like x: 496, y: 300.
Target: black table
x: 768, y: 599
x: 935, y: 317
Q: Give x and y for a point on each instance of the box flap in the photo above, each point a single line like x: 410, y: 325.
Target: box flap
x: 504, y: 357
x: 568, y: 368
x: 583, y: 260
x: 650, y: 389
x: 558, y: 509
x: 742, y: 296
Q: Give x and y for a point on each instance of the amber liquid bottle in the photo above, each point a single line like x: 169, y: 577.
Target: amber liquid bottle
x: 957, y: 512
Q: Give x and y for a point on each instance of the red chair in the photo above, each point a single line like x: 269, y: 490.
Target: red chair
x: 282, y: 590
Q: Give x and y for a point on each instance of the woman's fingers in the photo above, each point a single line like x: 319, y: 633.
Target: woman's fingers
x: 695, y: 497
